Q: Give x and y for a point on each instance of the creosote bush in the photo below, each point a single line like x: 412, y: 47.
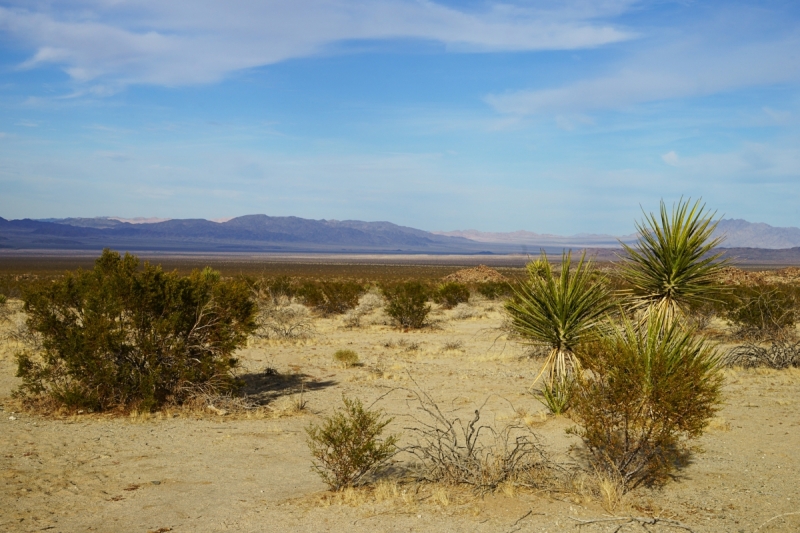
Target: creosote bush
x: 131, y: 337
x: 450, y: 294
x: 649, y: 388
x: 347, y: 358
x: 407, y: 304
x: 493, y: 290
x: 764, y: 311
x: 348, y: 445
x: 330, y: 297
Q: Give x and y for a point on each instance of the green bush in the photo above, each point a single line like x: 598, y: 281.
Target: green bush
x: 347, y: 357
x: 650, y: 387
x: 450, y: 294
x: 279, y: 287
x: 347, y: 445
x: 406, y: 304
x: 763, y: 311
x: 331, y: 297
x: 492, y: 290
x: 121, y: 336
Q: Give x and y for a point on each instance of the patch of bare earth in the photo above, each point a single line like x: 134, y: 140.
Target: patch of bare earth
x: 181, y: 472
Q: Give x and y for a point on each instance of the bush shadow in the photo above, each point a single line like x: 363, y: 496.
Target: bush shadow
x: 262, y: 388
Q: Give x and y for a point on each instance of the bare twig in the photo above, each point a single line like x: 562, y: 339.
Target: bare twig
x: 639, y: 520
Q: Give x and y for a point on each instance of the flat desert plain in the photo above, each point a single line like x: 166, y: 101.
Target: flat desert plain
x: 201, y: 470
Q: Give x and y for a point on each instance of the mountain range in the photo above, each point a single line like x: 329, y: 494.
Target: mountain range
x: 262, y: 233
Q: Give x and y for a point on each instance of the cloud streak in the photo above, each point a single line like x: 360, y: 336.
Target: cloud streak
x: 178, y: 43
x: 689, y: 68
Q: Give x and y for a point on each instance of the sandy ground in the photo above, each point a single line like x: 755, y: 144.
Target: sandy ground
x: 179, y: 472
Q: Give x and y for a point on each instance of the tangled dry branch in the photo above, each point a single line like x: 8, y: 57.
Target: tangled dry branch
x: 450, y: 450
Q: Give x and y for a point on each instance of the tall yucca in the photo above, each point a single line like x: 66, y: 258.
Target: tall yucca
x: 559, y: 310
x: 672, y: 265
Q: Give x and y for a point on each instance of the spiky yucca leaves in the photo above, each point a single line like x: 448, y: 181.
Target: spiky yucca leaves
x: 671, y: 266
x: 559, y: 310
x: 648, y: 387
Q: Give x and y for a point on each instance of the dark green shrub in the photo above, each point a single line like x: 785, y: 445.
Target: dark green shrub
x: 492, y: 290
x: 649, y: 388
x: 347, y: 445
x: 331, y: 297
x: 763, y: 311
x: 450, y: 294
x: 121, y: 336
x: 406, y: 304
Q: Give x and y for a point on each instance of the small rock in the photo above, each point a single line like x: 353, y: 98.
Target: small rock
x: 12, y: 417
x: 156, y: 482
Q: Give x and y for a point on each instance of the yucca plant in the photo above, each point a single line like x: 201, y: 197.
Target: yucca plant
x: 559, y: 310
x: 672, y: 266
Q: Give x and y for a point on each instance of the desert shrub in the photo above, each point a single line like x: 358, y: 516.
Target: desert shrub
x: 330, y: 297
x: 455, y: 452
x: 129, y: 337
x: 347, y: 445
x: 348, y: 358
x: 368, y: 303
x: 279, y: 287
x: 406, y: 304
x: 649, y: 388
x: 763, y: 311
x: 464, y: 311
x: 282, y: 318
x: 450, y: 294
x: 780, y: 354
x: 492, y: 290
x: 4, y: 308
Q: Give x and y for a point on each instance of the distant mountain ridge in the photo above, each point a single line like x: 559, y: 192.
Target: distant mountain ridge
x: 262, y: 233
x: 257, y: 233
x: 737, y: 233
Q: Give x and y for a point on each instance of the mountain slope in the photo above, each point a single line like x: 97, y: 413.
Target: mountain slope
x: 247, y: 233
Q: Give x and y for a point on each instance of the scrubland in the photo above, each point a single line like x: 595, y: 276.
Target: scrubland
x: 233, y: 464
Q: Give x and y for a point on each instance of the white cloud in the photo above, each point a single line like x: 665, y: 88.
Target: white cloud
x: 693, y: 67
x: 174, y: 43
x: 670, y: 158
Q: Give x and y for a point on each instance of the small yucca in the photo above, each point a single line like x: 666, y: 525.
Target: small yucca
x: 559, y: 310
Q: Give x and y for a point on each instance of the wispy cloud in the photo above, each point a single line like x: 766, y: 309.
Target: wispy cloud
x: 112, y: 44
x: 686, y: 66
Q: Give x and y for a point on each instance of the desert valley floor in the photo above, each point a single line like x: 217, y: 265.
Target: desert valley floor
x: 195, y: 471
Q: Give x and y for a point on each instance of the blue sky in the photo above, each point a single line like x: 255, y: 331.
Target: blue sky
x: 555, y: 117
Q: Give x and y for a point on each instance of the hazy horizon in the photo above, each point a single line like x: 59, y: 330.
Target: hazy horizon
x: 555, y: 117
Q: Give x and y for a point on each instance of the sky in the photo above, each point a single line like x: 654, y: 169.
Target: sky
x: 562, y: 116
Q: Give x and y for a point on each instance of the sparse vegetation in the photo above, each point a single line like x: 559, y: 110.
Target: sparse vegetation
x: 330, y: 297
x: 407, y: 304
x: 121, y: 336
x: 347, y: 358
x: 368, y: 303
x: 781, y: 353
x: 455, y: 452
x: 282, y: 318
x: 348, y: 445
x: 649, y: 388
x: 492, y: 290
x: 450, y: 294
x: 763, y: 311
